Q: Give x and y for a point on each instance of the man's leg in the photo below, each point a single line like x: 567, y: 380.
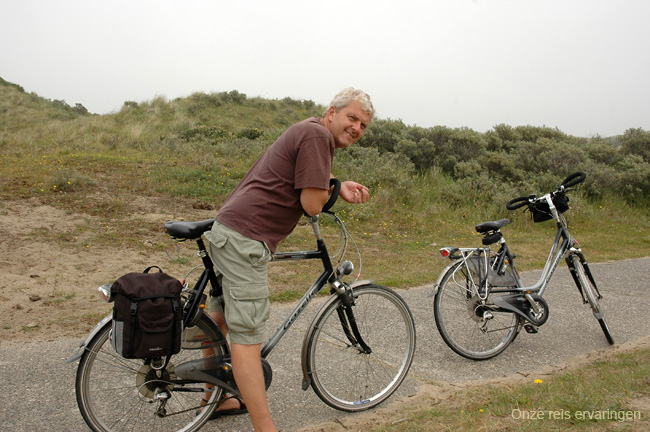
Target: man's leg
x: 247, y: 368
x: 228, y: 403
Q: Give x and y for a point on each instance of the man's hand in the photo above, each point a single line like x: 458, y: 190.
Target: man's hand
x: 354, y: 193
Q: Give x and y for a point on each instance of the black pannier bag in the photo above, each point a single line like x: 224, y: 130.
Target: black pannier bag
x: 147, y: 315
x: 541, y: 212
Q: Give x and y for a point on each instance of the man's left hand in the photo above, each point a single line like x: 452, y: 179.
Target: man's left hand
x: 353, y: 192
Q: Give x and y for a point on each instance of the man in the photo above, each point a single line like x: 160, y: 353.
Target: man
x: 291, y: 178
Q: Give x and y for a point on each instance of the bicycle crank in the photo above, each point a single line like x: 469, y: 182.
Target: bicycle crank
x: 537, y: 309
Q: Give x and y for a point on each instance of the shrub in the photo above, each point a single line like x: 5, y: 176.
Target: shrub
x: 383, y: 135
x: 250, y: 133
x: 636, y: 142
x: 212, y: 133
x: 372, y: 168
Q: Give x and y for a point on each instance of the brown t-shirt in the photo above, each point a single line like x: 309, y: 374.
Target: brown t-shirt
x: 265, y: 206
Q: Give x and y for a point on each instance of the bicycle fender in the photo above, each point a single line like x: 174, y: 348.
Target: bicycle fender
x: 306, y: 378
x: 436, y: 285
x: 82, y: 346
x: 361, y: 283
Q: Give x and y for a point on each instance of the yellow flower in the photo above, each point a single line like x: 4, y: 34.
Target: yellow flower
x: 538, y: 381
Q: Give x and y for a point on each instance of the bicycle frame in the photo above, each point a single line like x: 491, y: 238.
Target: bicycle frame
x: 327, y: 276
x: 208, y: 275
x: 312, y: 292
x: 564, y: 243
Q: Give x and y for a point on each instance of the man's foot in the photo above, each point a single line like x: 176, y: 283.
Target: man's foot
x: 230, y: 405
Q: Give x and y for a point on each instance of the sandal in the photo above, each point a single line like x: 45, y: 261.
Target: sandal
x: 204, y: 402
x: 230, y: 411
x: 225, y: 412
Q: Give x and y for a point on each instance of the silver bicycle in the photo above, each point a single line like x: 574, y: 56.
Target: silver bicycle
x: 481, y: 304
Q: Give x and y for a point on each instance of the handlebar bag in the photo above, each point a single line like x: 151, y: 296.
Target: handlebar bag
x: 541, y: 212
x: 147, y: 315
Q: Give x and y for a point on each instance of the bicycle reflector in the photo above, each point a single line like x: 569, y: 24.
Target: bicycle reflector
x: 105, y: 291
x: 450, y: 252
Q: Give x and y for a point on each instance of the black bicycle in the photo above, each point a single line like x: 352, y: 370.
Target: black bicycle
x: 346, y: 358
x: 481, y: 304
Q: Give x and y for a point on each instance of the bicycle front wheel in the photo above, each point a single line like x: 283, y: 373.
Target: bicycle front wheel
x: 470, y: 328
x: 345, y: 374
x: 590, y: 291
x: 118, y: 394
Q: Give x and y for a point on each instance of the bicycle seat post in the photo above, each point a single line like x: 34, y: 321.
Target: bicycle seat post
x: 203, y: 253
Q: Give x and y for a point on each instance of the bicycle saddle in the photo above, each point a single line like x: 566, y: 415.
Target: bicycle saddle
x: 486, y: 227
x: 181, y: 230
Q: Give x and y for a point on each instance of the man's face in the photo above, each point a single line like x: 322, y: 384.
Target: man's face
x: 347, y: 124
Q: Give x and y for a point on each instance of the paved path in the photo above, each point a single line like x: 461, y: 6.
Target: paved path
x: 38, y: 386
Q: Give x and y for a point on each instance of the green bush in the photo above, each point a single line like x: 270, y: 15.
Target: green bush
x: 636, y: 142
x: 216, y: 137
x: 211, y: 133
x: 250, y: 133
x: 372, y: 168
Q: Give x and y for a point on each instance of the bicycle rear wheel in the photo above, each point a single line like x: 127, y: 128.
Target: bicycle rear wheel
x: 118, y: 394
x: 590, y: 291
x: 470, y: 329
x: 342, y: 373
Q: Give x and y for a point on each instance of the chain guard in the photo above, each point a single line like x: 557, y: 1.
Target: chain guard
x: 518, y: 304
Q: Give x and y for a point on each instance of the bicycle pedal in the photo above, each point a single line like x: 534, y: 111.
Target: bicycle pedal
x: 531, y: 328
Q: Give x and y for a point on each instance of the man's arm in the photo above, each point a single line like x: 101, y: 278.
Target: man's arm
x: 313, y: 200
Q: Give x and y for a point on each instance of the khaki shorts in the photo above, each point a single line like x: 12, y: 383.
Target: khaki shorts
x: 241, y: 263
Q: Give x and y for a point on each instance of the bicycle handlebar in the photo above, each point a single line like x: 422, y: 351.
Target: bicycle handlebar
x: 335, y: 194
x: 572, y: 180
x: 516, y: 203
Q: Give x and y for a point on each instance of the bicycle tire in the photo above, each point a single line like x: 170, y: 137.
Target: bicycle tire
x: 459, y: 320
x: 591, y: 293
x: 342, y: 375
x: 116, y: 394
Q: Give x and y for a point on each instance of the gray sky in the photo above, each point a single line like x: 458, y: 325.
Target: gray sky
x: 582, y: 66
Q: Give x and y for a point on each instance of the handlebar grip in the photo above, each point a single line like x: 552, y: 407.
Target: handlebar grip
x: 335, y: 194
x: 516, y: 203
x: 574, y: 179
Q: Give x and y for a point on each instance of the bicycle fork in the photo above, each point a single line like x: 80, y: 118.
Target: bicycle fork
x: 573, y: 251
x: 349, y: 323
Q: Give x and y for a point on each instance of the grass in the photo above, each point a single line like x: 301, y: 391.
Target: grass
x: 601, y: 396
x: 186, y: 155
